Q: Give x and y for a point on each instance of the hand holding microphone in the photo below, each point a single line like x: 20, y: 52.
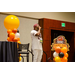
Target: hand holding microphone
x: 39, y: 27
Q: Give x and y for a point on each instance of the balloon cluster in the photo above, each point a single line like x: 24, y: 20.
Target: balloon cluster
x: 13, y: 36
x: 60, y: 54
x: 11, y: 23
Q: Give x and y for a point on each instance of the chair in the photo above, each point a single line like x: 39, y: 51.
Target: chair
x: 27, y: 51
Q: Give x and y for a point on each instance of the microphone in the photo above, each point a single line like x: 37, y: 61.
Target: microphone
x: 41, y: 28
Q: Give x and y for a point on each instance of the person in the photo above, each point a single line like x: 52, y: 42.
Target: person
x: 36, y: 43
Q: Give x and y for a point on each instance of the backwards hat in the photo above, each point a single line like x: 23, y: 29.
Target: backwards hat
x: 35, y: 25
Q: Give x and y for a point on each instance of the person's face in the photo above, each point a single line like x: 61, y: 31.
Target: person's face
x: 37, y: 28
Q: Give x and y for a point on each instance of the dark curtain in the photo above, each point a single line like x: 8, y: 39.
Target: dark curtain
x: 8, y: 51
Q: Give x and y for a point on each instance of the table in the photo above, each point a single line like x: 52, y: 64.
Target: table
x: 8, y: 51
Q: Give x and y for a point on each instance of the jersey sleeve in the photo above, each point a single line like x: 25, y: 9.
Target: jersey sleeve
x: 34, y: 32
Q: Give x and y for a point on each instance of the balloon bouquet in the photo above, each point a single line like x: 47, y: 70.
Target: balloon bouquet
x: 60, y: 54
x: 11, y: 23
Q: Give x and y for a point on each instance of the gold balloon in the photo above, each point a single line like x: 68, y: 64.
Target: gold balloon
x: 57, y: 59
x: 20, y: 59
x: 11, y: 22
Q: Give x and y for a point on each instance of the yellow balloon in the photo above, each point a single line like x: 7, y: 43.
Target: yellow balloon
x: 11, y: 22
x: 19, y: 58
x: 57, y: 59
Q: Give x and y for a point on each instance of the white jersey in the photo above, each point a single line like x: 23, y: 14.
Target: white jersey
x: 35, y: 41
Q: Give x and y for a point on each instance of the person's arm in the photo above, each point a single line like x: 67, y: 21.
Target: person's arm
x: 38, y: 33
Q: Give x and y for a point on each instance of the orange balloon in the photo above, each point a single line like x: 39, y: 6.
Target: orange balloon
x: 64, y: 59
x: 9, y: 39
x: 66, y: 55
x: 18, y: 39
x: 15, y: 39
x: 14, y: 30
x: 19, y: 54
x: 64, y: 50
x: 18, y: 42
x: 58, y: 49
x: 11, y: 35
x: 9, y: 31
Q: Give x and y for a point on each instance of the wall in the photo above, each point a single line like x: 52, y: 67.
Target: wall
x: 64, y: 16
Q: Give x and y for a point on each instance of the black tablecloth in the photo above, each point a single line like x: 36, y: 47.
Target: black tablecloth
x: 8, y: 51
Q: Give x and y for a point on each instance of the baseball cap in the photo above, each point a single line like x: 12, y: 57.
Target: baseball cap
x: 35, y: 25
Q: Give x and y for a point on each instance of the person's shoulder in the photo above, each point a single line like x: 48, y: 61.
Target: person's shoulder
x: 33, y: 31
